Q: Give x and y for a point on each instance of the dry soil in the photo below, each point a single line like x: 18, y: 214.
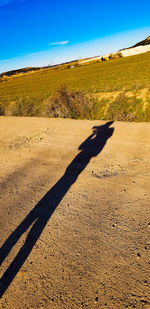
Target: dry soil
x: 80, y: 240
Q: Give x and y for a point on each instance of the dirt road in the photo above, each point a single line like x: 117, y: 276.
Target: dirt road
x: 74, y: 216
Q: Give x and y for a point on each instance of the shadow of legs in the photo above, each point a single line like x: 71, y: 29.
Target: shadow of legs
x: 42, y: 212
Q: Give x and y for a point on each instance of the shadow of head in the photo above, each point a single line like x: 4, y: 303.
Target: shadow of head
x: 97, y: 140
x: 103, y: 129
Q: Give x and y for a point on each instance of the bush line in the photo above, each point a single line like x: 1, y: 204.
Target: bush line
x: 67, y: 103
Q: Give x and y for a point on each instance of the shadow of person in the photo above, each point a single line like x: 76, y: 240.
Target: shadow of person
x: 38, y: 217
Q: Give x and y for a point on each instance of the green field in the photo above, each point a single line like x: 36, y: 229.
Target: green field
x: 124, y: 74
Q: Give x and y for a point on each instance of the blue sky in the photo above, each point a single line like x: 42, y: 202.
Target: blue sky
x: 35, y: 32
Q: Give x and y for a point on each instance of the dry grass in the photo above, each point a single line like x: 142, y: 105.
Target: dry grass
x: 66, y: 103
x: 69, y: 104
x: 40, y: 93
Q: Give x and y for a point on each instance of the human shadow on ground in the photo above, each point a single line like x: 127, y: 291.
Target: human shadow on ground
x: 38, y: 217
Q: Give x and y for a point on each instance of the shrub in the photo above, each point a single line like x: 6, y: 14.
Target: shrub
x: 23, y: 107
x: 125, y: 108
x: 4, y: 78
x: 69, y: 104
x: 115, y: 55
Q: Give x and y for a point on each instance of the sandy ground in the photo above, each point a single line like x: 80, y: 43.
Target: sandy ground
x: 74, y: 223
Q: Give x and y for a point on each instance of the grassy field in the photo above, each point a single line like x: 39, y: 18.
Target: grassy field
x: 32, y: 91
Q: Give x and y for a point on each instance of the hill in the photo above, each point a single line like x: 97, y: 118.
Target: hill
x: 119, y: 89
x: 143, y: 43
x: 32, y: 69
x: 138, y: 48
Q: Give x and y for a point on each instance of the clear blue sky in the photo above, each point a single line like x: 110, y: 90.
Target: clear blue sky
x: 28, y: 29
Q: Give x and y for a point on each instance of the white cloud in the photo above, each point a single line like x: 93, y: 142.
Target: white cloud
x: 60, y: 43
